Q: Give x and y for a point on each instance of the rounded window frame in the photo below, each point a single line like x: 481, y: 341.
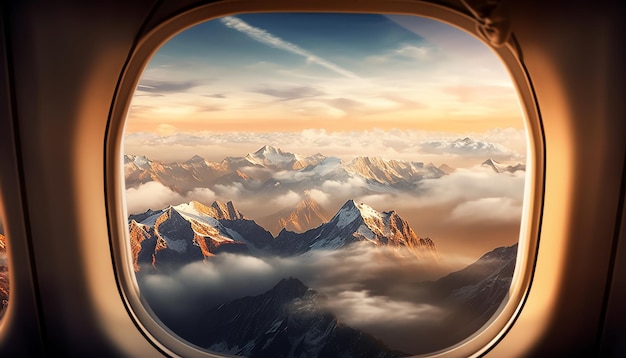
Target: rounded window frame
x: 164, y: 339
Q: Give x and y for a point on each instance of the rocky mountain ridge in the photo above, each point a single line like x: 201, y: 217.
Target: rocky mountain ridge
x: 192, y: 232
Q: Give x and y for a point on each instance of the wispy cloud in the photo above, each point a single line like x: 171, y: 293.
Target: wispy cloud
x: 166, y: 86
x: 413, y: 53
x: 290, y: 93
x: 265, y: 37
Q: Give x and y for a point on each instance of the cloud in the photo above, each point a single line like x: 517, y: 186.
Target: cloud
x: 319, y: 196
x: 290, y: 93
x: 233, y: 191
x: 203, y: 195
x: 289, y: 176
x: 289, y: 199
x: 472, y: 184
x: 366, y: 287
x: 154, y: 195
x: 350, y: 187
x: 360, y: 308
x: 224, y: 277
x: 487, y: 210
x: 346, y: 105
x: 265, y: 37
x: 165, y: 86
x: 151, y: 195
x: 414, y: 52
x: 165, y: 129
x: 410, y: 52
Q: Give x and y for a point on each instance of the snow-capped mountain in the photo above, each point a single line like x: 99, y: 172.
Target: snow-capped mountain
x: 501, y: 168
x: 274, y: 158
x: 286, y: 321
x: 379, y: 170
x: 179, y: 177
x: 307, y: 214
x: 357, y: 223
x: 190, y: 232
x: 271, y: 170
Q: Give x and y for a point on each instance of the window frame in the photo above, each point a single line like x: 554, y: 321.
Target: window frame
x: 164, y: 339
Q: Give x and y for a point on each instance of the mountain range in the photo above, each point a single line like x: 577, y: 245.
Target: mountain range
x: 270, y: 170
x: 192, y: 231
x: 290, y: 319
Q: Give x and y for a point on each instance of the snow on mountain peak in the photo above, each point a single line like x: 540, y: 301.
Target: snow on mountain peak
x: 140, y: 161
x: 268, y: 150
x: 270, y: 156
x: 350, y: 211
x: 274, y: 158
x: 361, y: 223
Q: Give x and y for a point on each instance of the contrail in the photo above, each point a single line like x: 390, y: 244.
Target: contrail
x: 271, y: 40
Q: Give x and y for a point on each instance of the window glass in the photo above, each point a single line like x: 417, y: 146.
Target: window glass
x: 324, y: 184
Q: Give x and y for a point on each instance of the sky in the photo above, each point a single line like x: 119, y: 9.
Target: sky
x: 344, y: 85
x: 337, y: 72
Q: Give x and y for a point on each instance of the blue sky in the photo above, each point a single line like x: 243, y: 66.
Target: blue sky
x: 333, y: 71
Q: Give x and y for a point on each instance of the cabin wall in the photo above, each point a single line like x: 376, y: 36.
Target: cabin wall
x: 60, y: 64
x: 66, y: 60
x: 570, y: 53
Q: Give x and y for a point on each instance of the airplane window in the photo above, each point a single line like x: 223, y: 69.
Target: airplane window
x: 324, y: 184
x: 4, y: 272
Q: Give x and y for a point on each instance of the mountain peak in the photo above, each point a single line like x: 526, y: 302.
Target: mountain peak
x: 493, y: 165
x: 446, y: 168
x: 361, y: 223
x: 501, y: 168
x: 196, y: 159
x: 269, y: 156
x: 351, y: 211
x: 306, y: 214
x: 226, y: 211
x: 291, y: 285
x: 268, y: 149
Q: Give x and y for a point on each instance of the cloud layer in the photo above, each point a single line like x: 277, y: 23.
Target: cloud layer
x: 368, y: 288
